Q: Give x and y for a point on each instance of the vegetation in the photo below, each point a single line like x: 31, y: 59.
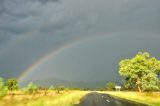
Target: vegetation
x: 42, y: 97
x: 65, y: 98
x: 110, y: 86
x: 148, y: 98
x: 51, y: 87
x: 12, y: 84
x: 141, y: 72
x: 3, y: 88
x: 32, y: 88
x: 59, y: 89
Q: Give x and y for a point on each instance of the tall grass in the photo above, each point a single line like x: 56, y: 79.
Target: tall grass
x: 65, y: 98
x: 149, y: 98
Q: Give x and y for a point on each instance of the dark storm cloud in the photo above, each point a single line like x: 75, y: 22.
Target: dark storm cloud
x: 1, y: 6
x: 23, y: 16
x: 29, y: 29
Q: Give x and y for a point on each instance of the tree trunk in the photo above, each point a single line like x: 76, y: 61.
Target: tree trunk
x: 139, y: 89
x: 138, y: 83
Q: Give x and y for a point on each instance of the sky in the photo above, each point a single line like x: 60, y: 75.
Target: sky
x: 81, y: 40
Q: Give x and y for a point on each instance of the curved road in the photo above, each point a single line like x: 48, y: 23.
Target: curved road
x: 98, y: 99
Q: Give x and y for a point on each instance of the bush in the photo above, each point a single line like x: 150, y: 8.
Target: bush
x: 3, y: 89
x: 12, y: 84
x: 32, y: 88
x: 51, y: 87
x: 110, y: 86
x: 59, y: 89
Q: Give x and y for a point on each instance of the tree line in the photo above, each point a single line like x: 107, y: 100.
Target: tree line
x: 11, y: 85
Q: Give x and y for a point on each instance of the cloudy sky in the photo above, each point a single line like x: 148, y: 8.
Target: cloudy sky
x: 79, y: 40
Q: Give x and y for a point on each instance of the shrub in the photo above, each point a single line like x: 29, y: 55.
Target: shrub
x: 32, y: 88
x: 110, y: 86
x: 3, y: 89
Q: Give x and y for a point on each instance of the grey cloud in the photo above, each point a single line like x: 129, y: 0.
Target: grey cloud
x: 1, y: 6
x: 126, y: 15
x: 44, y: 25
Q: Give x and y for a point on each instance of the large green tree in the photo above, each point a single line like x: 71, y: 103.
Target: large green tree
x: 140, y: 72
x: 12, y: 84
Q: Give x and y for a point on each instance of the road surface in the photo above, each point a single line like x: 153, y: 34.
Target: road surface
x: 98, y: 99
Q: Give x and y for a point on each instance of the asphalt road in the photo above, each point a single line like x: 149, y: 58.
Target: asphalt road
x: 98, y: 99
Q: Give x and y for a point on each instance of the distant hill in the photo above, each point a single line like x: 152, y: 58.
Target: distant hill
x: 57, y: 82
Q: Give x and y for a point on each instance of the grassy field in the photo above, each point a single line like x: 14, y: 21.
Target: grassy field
x: 151, y: 99
x: 71, y: 98
x: 65, y: 98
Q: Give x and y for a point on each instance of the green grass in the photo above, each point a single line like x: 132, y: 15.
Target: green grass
x: 72, y: 97
x: 65, y: 98
x: 151, y: 99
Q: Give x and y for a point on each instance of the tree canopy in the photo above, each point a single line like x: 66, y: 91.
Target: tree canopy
x: 140, y: 72
x: 12, y: 84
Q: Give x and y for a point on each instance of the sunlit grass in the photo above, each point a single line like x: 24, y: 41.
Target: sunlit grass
x: 151, y: 99
x: 65, y: 98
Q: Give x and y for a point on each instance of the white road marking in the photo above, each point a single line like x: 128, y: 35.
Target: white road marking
x: 107, y: 100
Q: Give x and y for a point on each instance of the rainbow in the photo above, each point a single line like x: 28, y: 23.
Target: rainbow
x: 52, y: 54
x: 43, y: 60
x: 48, y: 56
